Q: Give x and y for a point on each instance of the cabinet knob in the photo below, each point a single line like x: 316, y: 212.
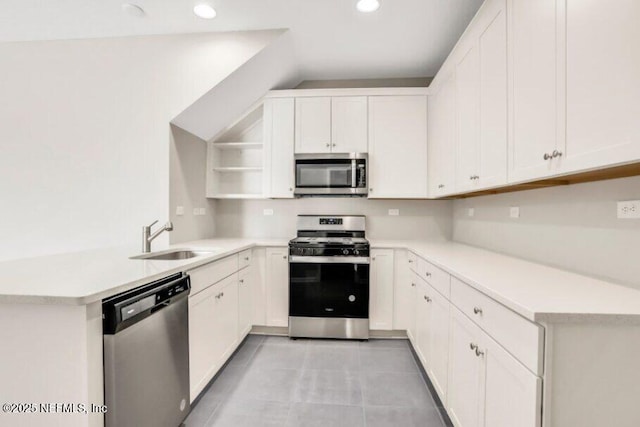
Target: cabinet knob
x: 479, y: 352
x: 328, y: 145
x: 547, y: 156
x: 556, y: 153
x: 290, y: 189
x: 333, y: 145
x: 371, y: 190
x: 241, y: 280
x: 477, y: 310
x: 441, y: 186
x: 473, y: 346
x: 284, y: 257
x: 246, y: 258
x: 413, y: 285
x: 428, y: 274
x: 410, y: 261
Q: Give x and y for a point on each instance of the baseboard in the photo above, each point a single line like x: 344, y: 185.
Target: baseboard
x: 284, y: 331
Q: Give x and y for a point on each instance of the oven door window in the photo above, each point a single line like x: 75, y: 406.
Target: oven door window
x: 324, y: 175
x: 329, y: 290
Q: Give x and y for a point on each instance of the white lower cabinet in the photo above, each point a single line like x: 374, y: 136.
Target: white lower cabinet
x: 381, y: 290
x: 487, y: 386
x: 404, y: 295
x: 213, y: 331
x: 245, y: 302
x: 466, y: 372
x: 277, y: 287
x: 438, y: 367
x: 422, y: 323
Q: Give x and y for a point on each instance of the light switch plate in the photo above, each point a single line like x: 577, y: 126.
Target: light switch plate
x: 394, y: 212
x: 514, y: 212
x: 267, y: 212
x: 471, y: 212
x: 179, y: 210
x: 629, y: 209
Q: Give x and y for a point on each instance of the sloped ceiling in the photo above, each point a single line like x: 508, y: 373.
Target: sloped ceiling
x: 273, y: 67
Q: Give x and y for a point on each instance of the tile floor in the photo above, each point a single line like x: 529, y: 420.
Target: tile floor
x: 274, y: 381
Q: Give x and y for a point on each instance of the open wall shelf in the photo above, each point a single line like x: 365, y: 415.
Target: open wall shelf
x: 235, y: 160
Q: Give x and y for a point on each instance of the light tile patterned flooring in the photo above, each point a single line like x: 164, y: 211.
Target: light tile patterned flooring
x: 275, y: 381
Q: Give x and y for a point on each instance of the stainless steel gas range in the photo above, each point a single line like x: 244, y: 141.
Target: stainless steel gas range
x: 329, y: 278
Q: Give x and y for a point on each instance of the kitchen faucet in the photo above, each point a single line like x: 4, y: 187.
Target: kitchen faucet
x: 147, y: 237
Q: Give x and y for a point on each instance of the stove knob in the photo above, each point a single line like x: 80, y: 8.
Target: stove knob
x: 356, y: 252
x: 345, y: 252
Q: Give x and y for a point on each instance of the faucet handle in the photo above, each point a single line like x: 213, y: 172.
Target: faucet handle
x: 153, y: 223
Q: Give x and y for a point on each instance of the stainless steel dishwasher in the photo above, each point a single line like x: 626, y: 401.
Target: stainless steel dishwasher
x: 146, y: 354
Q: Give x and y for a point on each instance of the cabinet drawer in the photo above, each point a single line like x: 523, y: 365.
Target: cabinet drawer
x: 206, y: 275
x: 244, y: 259
x: 523, y: 339
x: 439, y: 279
x: 413, y: 261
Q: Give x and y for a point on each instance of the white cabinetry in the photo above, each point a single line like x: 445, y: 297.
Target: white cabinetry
x: 331, y: 124
x: 277, y: 287
x: 245, y: 302
x: 442, y: 139
x: 279, y: 145
x: 422, y: 322
x: 213, y: 331
x: 481, y: 81
x: 438, y: 356
x: 349, y: 124
x: 397, y: 147
x: 381, y: 290
x: 404, y: 295
x: 603, y: 65
x: 536, y: 59
x: 313, y: 125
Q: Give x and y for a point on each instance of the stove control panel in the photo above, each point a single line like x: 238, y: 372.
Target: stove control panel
x: 359, y: 251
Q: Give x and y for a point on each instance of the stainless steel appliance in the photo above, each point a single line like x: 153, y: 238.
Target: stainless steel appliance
x: 146, y: 354
x: 329, y: 278
x: 331, y: 174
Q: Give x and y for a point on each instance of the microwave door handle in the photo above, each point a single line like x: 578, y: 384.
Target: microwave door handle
x: 353, y: 173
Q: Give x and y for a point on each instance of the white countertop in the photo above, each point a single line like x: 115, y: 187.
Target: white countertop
x: 537, y: 292
x: 84, y: 277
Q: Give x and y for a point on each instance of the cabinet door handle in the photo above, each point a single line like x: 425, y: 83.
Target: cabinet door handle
x: 246, y: 258
x: 333, y: 145
x: 413, y: 285
x: 428, y: 274
x: 479, y: 352
x: 371, y: 190
x: 410, y: 261
x: 441, y: 186
x: 427, y: 298
x: 290, y: 189
x: 556, y: 153
x: 547, y: 156
x: 473, y: 346
x: 477, y: 310
x: 328, y: 145
x: 284, y: 257
x: 241, y: 280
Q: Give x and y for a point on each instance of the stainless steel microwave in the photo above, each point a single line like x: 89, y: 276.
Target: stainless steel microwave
x: 331, y: 174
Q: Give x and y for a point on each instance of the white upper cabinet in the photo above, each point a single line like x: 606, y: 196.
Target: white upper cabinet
x: 349, y: 124
x: 279, y: 142
x: 313, y: 125
x: 468, y: 119
x: 603, y: 66
x: 331, y: 124
x: 536, y: 88
x: 492, y: 45
x: 397, y: 147
x: 442, y: 139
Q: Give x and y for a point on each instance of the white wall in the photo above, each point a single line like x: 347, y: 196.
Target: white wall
x: 420, y: 219
x: 187, y: 188
x: 84, y: 133
x: 573, y: 227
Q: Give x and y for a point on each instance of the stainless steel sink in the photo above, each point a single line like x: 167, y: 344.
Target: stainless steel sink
x: 173, y: 255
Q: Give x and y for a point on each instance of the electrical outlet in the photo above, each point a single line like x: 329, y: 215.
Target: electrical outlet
x: 267, y: 212
x: 514, y: 212
x: 471, y: 212
x: 629, y: 209
x: 394, y: 212
x: 203, y: 211
x: 179, y: 210
x: 196, y: 211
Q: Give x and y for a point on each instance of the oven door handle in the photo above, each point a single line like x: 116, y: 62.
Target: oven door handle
x: 328, y: 260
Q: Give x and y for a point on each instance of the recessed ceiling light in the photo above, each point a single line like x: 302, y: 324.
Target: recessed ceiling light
x: 133, y: 10
x: 368, y: 5
x: 204, y: 11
